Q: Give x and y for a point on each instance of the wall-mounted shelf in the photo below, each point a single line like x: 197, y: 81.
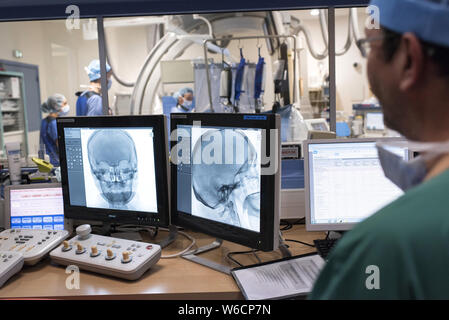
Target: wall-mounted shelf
x: 13, y: 126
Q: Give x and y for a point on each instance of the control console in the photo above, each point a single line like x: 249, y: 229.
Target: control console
x: 111, y: 256
x: 10, y: 264
x: 33, y: 244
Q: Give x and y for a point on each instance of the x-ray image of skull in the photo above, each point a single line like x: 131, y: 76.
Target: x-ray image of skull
x: 113, y: 162
x: 231, y: 188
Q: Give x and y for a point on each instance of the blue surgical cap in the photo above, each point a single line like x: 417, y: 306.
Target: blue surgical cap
x: 93, y: 70
x: 176, y: 95
x: 428, y: 19
x: 182, y: 92
x: 53, y: 103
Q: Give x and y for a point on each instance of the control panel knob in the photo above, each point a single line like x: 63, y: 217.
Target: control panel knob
x: 126, y: 257
x: 83, y: 231
x: 66, y: 246
x: 110, y: 254
x: 94, y: 251
x: 79, y: 248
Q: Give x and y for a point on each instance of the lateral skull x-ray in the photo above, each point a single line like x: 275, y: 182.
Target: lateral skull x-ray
x: 113, y: 162
x: 229, y: 191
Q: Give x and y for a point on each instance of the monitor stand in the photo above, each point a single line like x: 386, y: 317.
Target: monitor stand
x: 172, y: 234
x: 192, y: 255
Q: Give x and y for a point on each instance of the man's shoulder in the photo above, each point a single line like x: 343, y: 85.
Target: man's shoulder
x: 400, y: 240
x: 414, y: 216
x: 424, y: 205
x: 92, y: 97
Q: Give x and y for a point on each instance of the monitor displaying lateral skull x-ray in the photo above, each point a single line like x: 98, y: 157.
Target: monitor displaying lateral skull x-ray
x: 115, y: 168
x: 222, y: 181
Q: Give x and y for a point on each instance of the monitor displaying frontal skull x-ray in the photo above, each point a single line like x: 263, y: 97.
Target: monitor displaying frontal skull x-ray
x: 225, y: 176
x: 111, y: 170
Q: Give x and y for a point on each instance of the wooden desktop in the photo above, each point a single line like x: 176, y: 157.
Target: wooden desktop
x: 174, y: 278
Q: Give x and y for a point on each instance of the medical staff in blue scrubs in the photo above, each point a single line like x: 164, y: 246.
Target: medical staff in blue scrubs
x: 184, y: 101
x: 56, y: 106
x: 89, y: 102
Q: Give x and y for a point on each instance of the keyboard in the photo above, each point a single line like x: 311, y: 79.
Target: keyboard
x: 324, y: 246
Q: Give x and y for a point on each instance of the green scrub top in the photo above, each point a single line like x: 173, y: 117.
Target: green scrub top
x: 401, y: 252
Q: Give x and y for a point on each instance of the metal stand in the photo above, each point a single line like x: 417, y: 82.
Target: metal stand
x: 173, y: 233
x: 192, y: 256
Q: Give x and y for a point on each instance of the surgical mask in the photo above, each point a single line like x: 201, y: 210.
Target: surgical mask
x: 408, y: 174
x: 64, y: 111
x: 187, y: 103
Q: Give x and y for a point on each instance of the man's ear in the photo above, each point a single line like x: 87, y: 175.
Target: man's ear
x: 412, y: 62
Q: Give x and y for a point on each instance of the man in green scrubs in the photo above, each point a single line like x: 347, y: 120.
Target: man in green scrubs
x: 402, y: 251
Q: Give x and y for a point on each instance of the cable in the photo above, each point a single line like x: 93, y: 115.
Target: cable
x: 299, y: 221
x: 108, y: 58
x: 235, y: 261
x: 183, y: 251
x: 287, y: 224
x: 136, y: 228
x: 209, y: 25
x: 301, y: 242
x: 257, y: 257
x: 228, y: 256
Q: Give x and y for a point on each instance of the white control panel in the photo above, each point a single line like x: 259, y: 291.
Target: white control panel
x: 107, y: 255
x: 10, y: 264
x: 32, y: 244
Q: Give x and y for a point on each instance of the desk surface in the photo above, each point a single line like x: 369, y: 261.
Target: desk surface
x: 174, y: 278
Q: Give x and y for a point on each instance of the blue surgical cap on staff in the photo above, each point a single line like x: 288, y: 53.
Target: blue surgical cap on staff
x: 53, y: 103
x: 428, y: 19
x: 93, y: 70
x: 183, y: 91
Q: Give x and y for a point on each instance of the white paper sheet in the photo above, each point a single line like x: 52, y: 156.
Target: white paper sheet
x: 283, y: 279
x: 15, y: 88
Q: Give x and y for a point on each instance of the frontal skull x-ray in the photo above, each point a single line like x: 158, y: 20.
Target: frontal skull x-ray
x: 119, y: 169
x: 226, y: 175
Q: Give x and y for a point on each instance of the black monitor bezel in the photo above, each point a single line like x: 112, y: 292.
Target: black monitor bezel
x: 265, y: 239
x: 158, y: 122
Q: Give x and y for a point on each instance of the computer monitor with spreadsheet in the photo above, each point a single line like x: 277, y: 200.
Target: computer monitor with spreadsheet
x: 345, y: 183
x: 34, y: 206
x: 114, y: 169
x: 374, y: 121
